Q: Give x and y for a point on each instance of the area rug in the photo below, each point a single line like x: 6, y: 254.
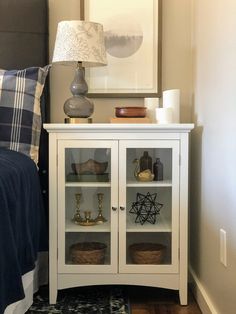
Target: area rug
x: 83, y: 300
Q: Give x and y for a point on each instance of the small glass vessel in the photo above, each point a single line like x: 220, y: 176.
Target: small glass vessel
x: 158, y: 170
x: 145, y: 162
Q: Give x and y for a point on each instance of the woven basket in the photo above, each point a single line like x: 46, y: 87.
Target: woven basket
x: 147, y: 253
x: 88, y: 253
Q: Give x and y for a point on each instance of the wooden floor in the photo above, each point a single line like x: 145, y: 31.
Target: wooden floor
x: 145, y: 300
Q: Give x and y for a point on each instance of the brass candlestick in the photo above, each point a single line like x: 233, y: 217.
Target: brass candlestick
x: 100, y: 219
x: 87, y: 221
x: 87, y: 216
x: 77, y: 217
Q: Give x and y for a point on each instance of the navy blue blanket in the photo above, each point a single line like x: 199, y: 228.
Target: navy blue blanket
x: 22, y: 228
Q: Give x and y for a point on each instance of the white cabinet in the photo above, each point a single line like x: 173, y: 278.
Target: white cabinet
x: 111, y: 222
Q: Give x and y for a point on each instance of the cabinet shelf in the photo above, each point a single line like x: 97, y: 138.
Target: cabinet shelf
x: 88, y: 184
x: 162, y: 225
x: 72, y: 227
x: 164, y: 183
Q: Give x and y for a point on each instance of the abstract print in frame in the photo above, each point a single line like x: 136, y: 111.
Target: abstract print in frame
x: 132, y: 39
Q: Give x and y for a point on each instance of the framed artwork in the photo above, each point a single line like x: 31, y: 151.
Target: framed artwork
x: 132, y: 30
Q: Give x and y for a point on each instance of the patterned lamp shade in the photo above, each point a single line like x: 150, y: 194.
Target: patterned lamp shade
x: 80, y: 41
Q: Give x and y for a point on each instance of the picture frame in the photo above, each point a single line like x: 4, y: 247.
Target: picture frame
x: 132, y: 32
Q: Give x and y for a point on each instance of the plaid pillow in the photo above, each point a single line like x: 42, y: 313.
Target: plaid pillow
x: 20, y: 116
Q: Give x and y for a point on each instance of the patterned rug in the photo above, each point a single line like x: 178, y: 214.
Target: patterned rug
x: 83, y: 300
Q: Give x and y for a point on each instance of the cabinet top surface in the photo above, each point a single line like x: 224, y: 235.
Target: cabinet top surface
x: 110, y: 127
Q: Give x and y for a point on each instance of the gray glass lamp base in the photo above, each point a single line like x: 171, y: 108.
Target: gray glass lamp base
x: 78, y: 106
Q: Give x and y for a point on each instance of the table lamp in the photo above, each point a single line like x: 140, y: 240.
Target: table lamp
x: 80, y: 43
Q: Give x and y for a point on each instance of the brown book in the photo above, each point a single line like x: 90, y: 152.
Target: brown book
x: 130, y: 120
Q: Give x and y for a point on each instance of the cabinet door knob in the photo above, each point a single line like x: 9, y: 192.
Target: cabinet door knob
x: 122, y: 208
x: 114, y: 208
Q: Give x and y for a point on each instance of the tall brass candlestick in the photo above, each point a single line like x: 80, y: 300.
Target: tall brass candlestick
x: 77, y: 217
x: 100, y: 219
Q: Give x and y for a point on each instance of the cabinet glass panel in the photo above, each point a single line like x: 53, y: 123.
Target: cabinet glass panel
x: 87, y: 206
x: 87, y: 164
x: 149, y: 206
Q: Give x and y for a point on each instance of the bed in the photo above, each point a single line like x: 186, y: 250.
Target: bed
x: 23, y: 184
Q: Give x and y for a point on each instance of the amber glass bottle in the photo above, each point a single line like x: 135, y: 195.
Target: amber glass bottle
x: 145, y: 162
x: 158, y: 170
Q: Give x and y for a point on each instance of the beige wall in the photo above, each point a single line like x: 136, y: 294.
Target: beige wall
x: 176, y: 60
x: 213, y: 184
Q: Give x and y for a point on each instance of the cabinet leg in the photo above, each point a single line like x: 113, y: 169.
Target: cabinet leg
x: 52, y: 295
x: 183, y: 296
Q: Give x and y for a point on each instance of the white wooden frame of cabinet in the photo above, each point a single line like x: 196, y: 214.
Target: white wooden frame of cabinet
x: 173, y: 229
x: 59, y: 132
x: 112, y: 227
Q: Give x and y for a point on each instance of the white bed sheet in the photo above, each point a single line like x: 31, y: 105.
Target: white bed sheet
x: 31, y: 282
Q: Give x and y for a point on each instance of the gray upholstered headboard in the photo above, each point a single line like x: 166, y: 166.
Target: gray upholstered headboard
x: 24, y: 35
x: 24, y: 43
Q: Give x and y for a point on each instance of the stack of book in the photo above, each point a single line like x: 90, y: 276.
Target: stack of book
x: 78, y: 120
x: 130, y: 120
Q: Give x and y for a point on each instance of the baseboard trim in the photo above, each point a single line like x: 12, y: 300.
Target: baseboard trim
x: 200, y: 294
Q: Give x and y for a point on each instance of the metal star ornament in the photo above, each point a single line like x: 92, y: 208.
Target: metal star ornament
x: 146, y: 208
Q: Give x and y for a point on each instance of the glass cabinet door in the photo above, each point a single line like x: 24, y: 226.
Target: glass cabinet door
x: 149, y: 206
x: 87, y: 215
